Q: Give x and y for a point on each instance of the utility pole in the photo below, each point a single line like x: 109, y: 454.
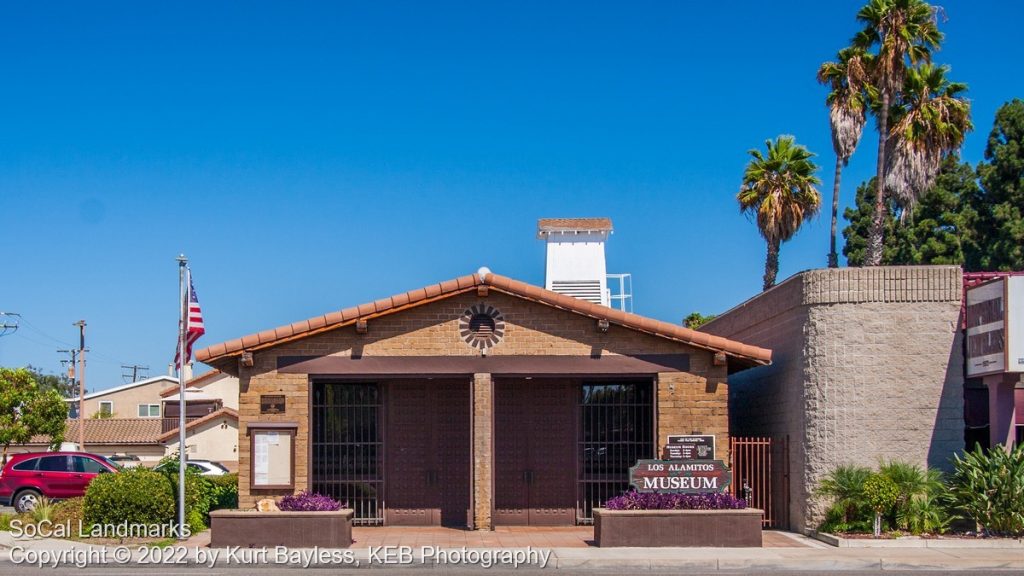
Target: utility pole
x: 81, y: 384
x: 71, y: 366
x: 134, y: 368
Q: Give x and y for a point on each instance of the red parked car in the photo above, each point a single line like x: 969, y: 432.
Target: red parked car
x: 56, y: 475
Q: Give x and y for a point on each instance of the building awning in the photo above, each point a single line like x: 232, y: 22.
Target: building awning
x: 608, y: 365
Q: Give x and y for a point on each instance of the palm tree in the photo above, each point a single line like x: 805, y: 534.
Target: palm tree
x: 778, y: 189
x: 845, y: 485
x: 846, y: 77
x: 902, y: 30
x: 930, y: 122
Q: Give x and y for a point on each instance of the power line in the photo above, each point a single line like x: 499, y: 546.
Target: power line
x: 9, y: 322
x: 130, y: 372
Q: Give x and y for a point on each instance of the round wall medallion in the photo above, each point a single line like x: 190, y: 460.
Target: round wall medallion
x: 482, y: 326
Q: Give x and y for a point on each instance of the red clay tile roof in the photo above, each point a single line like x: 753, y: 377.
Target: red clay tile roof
x: 191, y: 383
x: 571, y: 224
x: 172, y: 434
x: 746, y: 355
x: 110, y: 431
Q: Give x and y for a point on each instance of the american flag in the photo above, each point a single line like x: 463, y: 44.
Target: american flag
x: 193, y: 324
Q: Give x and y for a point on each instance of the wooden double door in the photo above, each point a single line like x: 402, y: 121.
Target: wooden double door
x: 428, y: 468
x: 535, y: 452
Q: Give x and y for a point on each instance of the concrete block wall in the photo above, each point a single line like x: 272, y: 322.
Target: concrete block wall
x: 867, y: 366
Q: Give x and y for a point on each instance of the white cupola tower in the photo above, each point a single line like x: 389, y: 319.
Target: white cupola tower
x: 575, y: 257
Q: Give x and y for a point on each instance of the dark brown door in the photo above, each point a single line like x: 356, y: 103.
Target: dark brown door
x: 534, y: 452
x: 428, y: 453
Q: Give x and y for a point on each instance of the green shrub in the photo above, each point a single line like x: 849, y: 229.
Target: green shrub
x: 837, y: 522
x: 199, y: 494
x: 881, y: 495
x: 70, y: 510
x: 136, y: 496
x: 845, y: 485
x: 924, y: 514
x: 5, y: 521
x: 989, y: 488
x: 919, y: 488
x: 42, y: 511
x: 225, y: 491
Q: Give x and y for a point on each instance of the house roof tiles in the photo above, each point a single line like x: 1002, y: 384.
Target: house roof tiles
x: 110, y: 431
x: 744, y: 354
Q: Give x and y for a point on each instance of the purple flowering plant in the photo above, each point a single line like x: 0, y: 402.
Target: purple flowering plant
x: 306, y: 501
x: 634, y: 500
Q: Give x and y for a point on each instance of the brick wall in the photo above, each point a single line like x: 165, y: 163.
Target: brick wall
x: 867, y: 365
x: 696, y: 400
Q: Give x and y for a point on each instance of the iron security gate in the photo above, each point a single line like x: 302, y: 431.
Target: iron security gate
x: 762, y: 465
x: 347, y: 446
x: 616, y: 428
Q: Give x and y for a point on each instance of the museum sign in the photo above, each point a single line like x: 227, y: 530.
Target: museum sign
x: 681, y: 476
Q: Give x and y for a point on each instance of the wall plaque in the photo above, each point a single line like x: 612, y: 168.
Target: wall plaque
x: 683, y: 476
x: 272, y: 404
x: 689, y: 447
x: 272, y: 453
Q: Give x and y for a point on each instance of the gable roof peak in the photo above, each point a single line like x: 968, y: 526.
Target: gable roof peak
x: 747, y: 355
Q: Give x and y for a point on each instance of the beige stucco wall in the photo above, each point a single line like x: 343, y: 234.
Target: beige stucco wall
x: 214, y: 440
x: 126, y: 402
x: 695, y: 400
x: 867, y: 365
x: 224, y: 387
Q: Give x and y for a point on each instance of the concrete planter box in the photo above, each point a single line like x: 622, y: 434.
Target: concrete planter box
x: 689, y: 528
x: 249, y: 528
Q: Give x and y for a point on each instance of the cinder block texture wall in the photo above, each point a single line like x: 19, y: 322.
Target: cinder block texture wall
x: 693, y: 400
x: 867, y: 366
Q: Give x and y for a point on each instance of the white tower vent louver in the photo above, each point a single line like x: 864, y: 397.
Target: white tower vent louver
x: 575, y: 257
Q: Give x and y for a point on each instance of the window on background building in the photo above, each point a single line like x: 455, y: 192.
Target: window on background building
x: 149, y: 410
x: 106, y: 408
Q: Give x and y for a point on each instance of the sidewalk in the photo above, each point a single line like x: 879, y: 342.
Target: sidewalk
x: 806, y: 555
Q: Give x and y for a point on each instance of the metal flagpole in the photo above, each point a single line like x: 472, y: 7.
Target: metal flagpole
x: 182, y: 332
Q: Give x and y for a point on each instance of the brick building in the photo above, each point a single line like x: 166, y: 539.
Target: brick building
x: 479, y: 401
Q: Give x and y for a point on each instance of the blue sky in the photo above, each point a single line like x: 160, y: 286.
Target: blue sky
x: 309, y: 156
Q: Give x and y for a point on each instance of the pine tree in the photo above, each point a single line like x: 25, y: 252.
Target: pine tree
x: 941, y: 229
x: 1000, y: 220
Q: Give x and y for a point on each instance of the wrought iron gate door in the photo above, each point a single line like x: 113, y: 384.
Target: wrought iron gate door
x: 616, y: 428
x: 347, y: 446
x: 762, y: 465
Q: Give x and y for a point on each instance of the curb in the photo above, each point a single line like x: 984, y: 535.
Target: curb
x: 918, y: 542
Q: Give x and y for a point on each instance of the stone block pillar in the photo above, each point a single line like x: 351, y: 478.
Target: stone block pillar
x: 1002, y: 410
x: 483, y: 451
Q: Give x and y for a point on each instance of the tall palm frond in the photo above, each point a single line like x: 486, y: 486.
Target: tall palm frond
x: 779, y: 191
x: 930, y: 122
x: 900, y: 31
x: 847, y: 78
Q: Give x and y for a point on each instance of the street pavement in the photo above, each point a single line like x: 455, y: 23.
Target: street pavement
x: 16, y: 557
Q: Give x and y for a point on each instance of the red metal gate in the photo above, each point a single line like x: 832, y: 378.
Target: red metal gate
x: 762, y: 466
